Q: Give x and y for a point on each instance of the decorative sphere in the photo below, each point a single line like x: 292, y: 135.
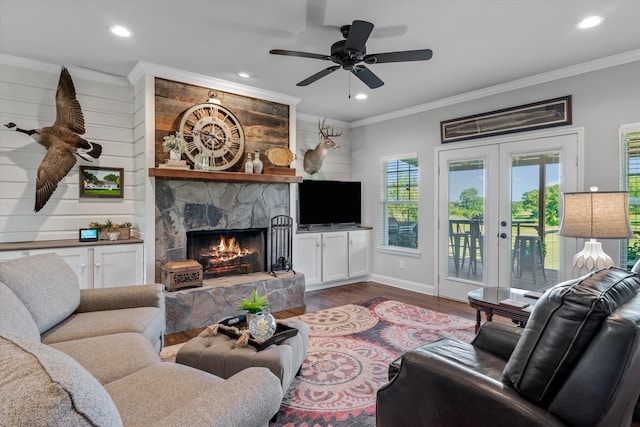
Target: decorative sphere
x: 262, y: 325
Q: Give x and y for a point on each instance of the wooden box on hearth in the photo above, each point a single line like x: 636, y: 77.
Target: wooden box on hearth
x: 181, y: 274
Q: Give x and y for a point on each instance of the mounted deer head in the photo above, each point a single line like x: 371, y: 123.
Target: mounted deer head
x: 313, y: 158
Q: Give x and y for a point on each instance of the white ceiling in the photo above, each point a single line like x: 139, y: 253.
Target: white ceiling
x: 476, y: 44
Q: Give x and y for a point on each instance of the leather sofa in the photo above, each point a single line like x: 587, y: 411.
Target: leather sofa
x: 576, y: 363
x: 71, y: 357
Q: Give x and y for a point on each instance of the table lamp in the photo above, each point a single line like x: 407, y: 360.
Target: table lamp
x: 595, y: 215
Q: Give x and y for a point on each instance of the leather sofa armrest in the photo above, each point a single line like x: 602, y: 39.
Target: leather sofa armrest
x: 497, y: 338
x: 151, y: 295
x: 432, y: 389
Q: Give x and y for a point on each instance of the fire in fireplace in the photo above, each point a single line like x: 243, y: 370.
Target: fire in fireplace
x: 228, y: 252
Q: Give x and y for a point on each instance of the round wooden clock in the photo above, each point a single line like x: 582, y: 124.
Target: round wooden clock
x: 212, y: 130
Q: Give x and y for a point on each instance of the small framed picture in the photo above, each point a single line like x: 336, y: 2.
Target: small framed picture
x: 98, y: 182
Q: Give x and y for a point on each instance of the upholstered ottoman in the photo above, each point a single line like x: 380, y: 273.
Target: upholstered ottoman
x: 220, y: 356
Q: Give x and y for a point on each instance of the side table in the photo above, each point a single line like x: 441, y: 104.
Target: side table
x: 488, y: 300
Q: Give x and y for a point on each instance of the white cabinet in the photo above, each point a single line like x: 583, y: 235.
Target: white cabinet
x: 117, y: 265
x: 100, y: 266
x: 308, y: 258
x: 359, y: 253
x: 333, y: 256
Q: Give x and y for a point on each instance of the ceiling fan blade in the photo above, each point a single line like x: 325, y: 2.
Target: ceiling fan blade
x: 299, y: 54
x: 403, y: 56
x: 358, y: 36
x: 318, y: 76
x: 367, y: 76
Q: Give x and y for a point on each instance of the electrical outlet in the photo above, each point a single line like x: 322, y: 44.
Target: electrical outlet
x: 401, y: 263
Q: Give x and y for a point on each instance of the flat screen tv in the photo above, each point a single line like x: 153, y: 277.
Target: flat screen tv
x: 329, y: 203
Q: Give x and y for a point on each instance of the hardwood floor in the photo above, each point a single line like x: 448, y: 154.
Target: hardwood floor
x: 354, y: 294
x: 358, y: 293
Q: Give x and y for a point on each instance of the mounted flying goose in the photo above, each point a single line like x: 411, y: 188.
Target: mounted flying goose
x: 61, y: 140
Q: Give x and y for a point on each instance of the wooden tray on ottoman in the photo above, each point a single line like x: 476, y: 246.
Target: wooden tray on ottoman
x: 282, y: 333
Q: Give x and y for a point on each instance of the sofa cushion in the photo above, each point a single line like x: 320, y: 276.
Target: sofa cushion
x: 148, y: 321
x: 45, y: 284
x: 43, y: 387
x: 180, y: 395
x: 562, y: 325
x: 111, y: 357
x: 15, y: 318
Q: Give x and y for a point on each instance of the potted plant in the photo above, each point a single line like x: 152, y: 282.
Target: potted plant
x: 255, y: 304
x: 175, y: 145
x: 123, y: 230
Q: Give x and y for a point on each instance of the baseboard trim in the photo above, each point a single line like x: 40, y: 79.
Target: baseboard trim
x: 408, y: 285
x: 326, y: 285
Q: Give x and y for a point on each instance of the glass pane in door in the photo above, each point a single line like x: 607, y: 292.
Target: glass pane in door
x: 465, y: 219
x: 535, y: 220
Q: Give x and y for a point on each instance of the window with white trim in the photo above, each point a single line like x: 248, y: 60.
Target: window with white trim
x: 399, y: 200
x: 630, y: 181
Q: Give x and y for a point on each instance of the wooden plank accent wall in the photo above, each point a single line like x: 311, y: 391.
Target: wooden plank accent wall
x: 27, y: 97
x: 265, y: 123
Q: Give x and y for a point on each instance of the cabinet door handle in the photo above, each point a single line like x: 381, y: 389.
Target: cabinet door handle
x: 83, y: 266
x: 98, y: 264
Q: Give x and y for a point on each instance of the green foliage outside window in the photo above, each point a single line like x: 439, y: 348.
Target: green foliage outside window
x: 400, y: 202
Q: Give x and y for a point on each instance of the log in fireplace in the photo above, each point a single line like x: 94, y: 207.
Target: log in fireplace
x: 228, y: 252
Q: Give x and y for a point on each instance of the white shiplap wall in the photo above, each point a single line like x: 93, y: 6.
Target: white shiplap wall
x: 27, y: 97
x: 337, y: 163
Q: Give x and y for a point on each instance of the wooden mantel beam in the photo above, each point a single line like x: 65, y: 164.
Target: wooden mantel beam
x: 196, y: 175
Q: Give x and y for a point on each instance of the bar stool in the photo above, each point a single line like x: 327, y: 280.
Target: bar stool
x: 475, y: 246
x: 458, y: 240
x: 528, y: 253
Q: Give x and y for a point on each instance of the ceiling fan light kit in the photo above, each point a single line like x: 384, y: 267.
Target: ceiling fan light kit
x: 349, y: 54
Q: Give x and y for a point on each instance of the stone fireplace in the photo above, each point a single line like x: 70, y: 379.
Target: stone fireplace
x: 210, y: 210
x: 228, y: 252
x: 184, y: 206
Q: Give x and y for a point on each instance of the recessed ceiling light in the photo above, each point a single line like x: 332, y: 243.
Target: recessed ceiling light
x: 590, y: 22
x: 244, y: 74
x: 120, y: 31
x: 361, y: 96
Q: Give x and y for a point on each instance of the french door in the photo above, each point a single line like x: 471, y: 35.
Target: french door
x: 499, y: 214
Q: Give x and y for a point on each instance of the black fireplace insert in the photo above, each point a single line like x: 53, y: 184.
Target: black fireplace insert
x: 228, y: 252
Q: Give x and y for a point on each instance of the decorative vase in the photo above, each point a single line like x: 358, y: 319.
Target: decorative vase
x: 248, y: 165
x: 262, y: 325
x: 257, y: 163
x: 175, y: 155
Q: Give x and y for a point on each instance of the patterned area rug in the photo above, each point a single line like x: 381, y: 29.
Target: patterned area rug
x: 350, y: 348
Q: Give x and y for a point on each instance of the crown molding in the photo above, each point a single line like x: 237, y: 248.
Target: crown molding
x: 47, y: 67
x: 146, y: 68
x: 312, y: 118
x: 561, y: 73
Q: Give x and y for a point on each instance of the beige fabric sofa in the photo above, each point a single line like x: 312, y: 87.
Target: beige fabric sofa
x: 71, y: 357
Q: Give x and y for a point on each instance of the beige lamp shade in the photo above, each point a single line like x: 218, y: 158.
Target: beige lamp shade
x: 596, y: 215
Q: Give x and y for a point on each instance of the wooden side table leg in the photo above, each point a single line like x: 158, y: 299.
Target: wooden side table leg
x: 478, y: 319
x: 489, y: 315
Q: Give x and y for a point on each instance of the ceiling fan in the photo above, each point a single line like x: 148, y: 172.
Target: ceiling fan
x: 349, y: 54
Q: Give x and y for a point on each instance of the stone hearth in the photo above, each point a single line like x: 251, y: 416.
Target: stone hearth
x: 218, y: 298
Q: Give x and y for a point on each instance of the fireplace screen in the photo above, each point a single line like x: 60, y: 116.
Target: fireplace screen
x: 228, y: 252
